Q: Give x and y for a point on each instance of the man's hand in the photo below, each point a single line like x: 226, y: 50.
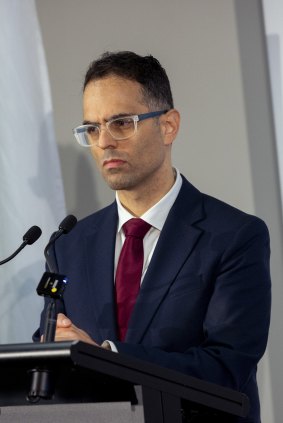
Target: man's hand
x: 67, y: 331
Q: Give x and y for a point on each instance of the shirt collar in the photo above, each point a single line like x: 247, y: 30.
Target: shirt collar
x: 158, y: 213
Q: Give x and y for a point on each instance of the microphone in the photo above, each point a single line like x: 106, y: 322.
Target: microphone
x: 29, y: 238
x: 67, y: 224
x: 65, y: 227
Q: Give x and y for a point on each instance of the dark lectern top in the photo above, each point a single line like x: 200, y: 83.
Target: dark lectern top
x: 78, y: 355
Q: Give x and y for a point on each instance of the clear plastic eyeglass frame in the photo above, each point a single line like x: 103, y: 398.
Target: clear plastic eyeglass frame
x: 81, y: 132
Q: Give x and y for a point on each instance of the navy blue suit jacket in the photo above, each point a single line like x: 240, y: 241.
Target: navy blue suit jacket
x: 204, y: 304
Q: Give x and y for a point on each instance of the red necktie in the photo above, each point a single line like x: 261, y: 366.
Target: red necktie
x: 129, y: 270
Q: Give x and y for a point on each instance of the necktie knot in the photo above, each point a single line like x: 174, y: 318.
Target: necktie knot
x: 136, y: 227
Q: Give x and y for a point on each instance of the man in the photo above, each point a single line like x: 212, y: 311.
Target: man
x: 203, y: 304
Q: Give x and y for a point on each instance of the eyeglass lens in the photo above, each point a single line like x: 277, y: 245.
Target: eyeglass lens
x: 119, y: 129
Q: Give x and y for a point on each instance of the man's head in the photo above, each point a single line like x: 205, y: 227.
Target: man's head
x: 119, y: 88
x: 147, y: 71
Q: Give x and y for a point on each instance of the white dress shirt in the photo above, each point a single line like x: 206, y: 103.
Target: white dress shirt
x: 155, y: 216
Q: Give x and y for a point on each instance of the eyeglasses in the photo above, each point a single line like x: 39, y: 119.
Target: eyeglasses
x: 120, y: 128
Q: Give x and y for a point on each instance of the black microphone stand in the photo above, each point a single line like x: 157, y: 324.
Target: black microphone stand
x: 50, y: 322
x: 51, y: 286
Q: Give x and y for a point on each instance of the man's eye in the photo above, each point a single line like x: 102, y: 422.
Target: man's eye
x: 122, y: 123
x: 92, y: 130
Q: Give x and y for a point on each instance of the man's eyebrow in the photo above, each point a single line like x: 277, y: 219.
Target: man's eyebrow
x: 116, y: 116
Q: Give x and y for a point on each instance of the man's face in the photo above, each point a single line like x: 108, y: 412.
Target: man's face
x: 134, y: 162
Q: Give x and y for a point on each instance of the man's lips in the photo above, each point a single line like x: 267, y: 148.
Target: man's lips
x: 113, y: 163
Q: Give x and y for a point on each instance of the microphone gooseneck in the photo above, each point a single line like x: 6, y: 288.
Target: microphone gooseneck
x: 29, y: 238
x: 65, y: 227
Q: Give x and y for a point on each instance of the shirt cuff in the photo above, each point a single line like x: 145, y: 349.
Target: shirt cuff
x: 109, y: 345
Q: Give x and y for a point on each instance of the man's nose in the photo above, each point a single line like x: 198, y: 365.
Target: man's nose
x: 106, y: 140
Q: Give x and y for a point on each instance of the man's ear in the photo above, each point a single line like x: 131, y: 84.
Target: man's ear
x: 170, y: 123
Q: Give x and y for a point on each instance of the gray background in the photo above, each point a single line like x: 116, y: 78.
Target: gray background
x: 214, y: 53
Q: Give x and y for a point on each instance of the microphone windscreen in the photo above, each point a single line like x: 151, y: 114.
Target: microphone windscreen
x: 68, y: 223
x: 32, y: 235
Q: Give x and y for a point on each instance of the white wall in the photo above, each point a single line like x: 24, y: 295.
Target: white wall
x: 273, y: 16
x: 214, y: 52
x: 196, y: 42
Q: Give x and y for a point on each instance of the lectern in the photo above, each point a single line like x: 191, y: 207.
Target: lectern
x: 84, y: 374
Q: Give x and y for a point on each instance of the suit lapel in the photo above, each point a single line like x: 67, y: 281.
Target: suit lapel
x: 176, y: 242
x: 100, y: 245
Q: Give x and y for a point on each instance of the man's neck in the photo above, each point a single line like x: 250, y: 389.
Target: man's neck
x: 138, y: 201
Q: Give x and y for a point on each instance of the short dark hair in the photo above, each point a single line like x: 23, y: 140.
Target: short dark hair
x: 147, y: 71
